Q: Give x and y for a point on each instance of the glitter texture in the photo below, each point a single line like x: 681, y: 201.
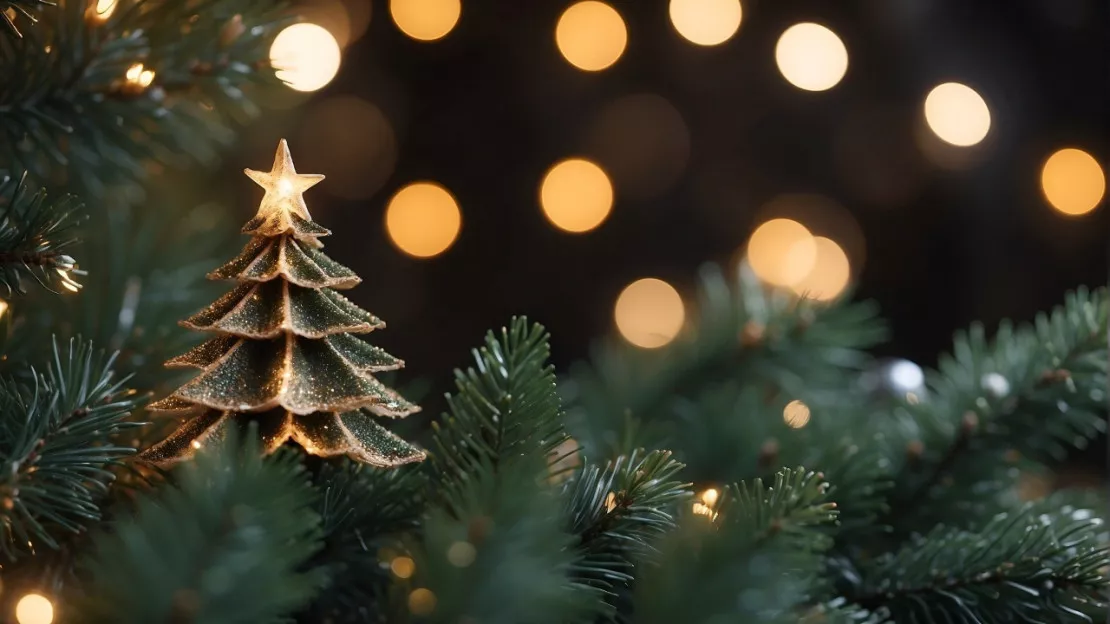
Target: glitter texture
x: 284, y: 356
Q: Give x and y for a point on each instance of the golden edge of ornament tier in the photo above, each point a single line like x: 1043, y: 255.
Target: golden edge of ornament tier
x: 313, y: 324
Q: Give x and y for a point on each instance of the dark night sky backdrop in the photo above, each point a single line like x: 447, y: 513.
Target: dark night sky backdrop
x: 488, y: 109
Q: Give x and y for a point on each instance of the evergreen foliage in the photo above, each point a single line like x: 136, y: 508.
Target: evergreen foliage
x: 740, y: 474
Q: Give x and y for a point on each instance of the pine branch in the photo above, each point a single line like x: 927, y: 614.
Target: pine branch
x: 226, y: 544
x: 755, y: 560
x: 743, y: 331
x: 505, y: 407
x: 1033, y: 392
x: 34, y: 236
x: 497, y: 555
x: 1032, y: 564
x: 57, y: 436
x: 617, y: 512
x: 69, y: 107
x: 10, y: 10
x: 363, y: 510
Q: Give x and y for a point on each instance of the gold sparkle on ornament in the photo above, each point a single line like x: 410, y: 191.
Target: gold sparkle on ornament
x: 284, y: 196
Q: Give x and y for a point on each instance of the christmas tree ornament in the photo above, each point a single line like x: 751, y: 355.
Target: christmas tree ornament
x: 283, y: 352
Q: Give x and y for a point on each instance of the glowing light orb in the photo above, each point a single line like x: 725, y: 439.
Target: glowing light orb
x: 811, y: 57
x: 34, y: 609
x: 1073, y: 182
x: 649, y: 313
x: 423, y: 219
x: 425, y: 20
x: 796, y: 414
x: 306, y: 56
x: 576, y: 195
x: 706, y: 22
x: 830, y: 273
x: 591, y: 35
x: 781, y: 252
x: 957, y: 114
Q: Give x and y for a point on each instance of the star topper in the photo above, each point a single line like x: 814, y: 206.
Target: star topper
x: 283, y: 208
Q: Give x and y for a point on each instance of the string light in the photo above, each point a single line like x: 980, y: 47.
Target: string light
x: 576, y: 195
x: 306, y: 56
x: 34, y: 609
x: 3, y: 307
x: 591, y: 35
x: 101, y: 10
x: 402, y: 567
x: 1072, y: 181
x: 649, y: 313
x: 422, y: 601
x: 796, y: 414
x: 423, y: 219
x: 710, y: 496
x: 706, y: 22
x: 781, y: 252
x: 957, y: 114
x: 425, y: 20
x: 830, y: 273
x: 139, y: 77
x: 811, y: 57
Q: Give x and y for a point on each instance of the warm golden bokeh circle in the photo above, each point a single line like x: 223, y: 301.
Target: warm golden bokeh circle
x: 425, y: 20
x: 706, y: 22
x: 649, y: 313
x: 576, y: 195
x: 423, y: 219
x: 957, y: 114
x: 811, y: 57
x: 1073, y: 182
x: 781, y: 252
x: 306, y: 56
x: 591, y: 35
x: 830, y: 274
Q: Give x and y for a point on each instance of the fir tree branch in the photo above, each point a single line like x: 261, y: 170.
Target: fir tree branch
x: 1035, y: 392
x: 743, y: 331
x: 617, y: 512
x: 505, y: 407
x: 12, y: 9
x: 363, y: 510
x: 57, y: 438
x: 755, y: 560
x: 1028, y: 564
x: 34, y: 236
x: 229, y: 542
x: 498, y: 555
x: 68, y: 106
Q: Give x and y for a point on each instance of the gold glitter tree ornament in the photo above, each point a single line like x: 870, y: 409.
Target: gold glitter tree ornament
x: 283, y: 354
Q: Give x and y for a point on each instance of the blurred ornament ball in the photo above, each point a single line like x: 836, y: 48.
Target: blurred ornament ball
x: 895, y: 379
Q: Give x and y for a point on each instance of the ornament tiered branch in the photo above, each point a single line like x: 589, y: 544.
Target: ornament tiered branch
x: 284, y: 354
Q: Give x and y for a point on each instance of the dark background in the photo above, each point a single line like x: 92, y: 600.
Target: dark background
x: 947, y: 238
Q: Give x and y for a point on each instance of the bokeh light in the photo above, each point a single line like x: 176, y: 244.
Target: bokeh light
x: 34, y: 609
x: 402, y: 567
x: 706, y: 22
x: 830, y: 273
x: 425, y: 20
x: 103, y: 9
x: 576, y: 195
x: 710, y: 496
x: 591, y: 35
x: 811, y: 57
x: 957, y: 114
x: 422, y: 601
x: 796, y: 414
x: 353, y: 141
x: 643, y: 143
x: 649, y: 313
x: 461, y: 554
x: 1072, y: 181
x: 423, y: 219
x: 306, y: 56
x: 782, y: 252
